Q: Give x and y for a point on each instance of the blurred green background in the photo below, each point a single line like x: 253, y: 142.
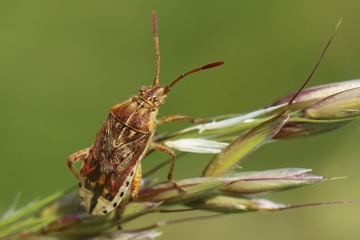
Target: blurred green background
x: 63, y: 64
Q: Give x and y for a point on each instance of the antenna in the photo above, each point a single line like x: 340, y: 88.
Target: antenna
x: 157, y: 50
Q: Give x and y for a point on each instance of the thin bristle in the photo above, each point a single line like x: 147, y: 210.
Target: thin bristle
x: 337, y: 26
x: 301, y: 88
x: 316, y: 66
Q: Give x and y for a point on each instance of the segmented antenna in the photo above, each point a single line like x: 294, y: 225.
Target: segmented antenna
x: 211, y: 65
x: 157, y: 49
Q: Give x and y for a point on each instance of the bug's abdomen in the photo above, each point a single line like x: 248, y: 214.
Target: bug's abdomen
x: 97, y: 196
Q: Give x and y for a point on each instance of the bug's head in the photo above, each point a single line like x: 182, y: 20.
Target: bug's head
x: 154, y: 95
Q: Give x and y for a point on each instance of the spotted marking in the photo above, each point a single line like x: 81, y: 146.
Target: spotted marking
x: 102, y: 205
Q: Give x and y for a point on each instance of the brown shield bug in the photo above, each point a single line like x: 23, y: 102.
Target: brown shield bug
x: 113, y: 163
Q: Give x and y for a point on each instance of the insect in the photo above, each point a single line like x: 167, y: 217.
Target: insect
x: 113, y: 163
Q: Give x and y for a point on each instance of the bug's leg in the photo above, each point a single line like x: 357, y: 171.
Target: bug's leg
x: 134, y: 192
x: 165, y: 149
x: 76, y: 157
x: 136, y: 183
x: 179, y: 117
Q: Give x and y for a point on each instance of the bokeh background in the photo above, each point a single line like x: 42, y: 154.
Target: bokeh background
x: 63, y: 64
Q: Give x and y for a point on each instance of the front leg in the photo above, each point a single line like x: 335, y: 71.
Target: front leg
x: 180, y: 117
x: 76, y: 157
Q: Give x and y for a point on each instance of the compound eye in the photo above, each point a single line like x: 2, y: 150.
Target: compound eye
x: 142, y: 89
x: 154, y: 99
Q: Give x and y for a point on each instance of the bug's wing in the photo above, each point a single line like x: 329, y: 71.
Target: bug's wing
x: 130, y: 154
x: 113, y: 158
